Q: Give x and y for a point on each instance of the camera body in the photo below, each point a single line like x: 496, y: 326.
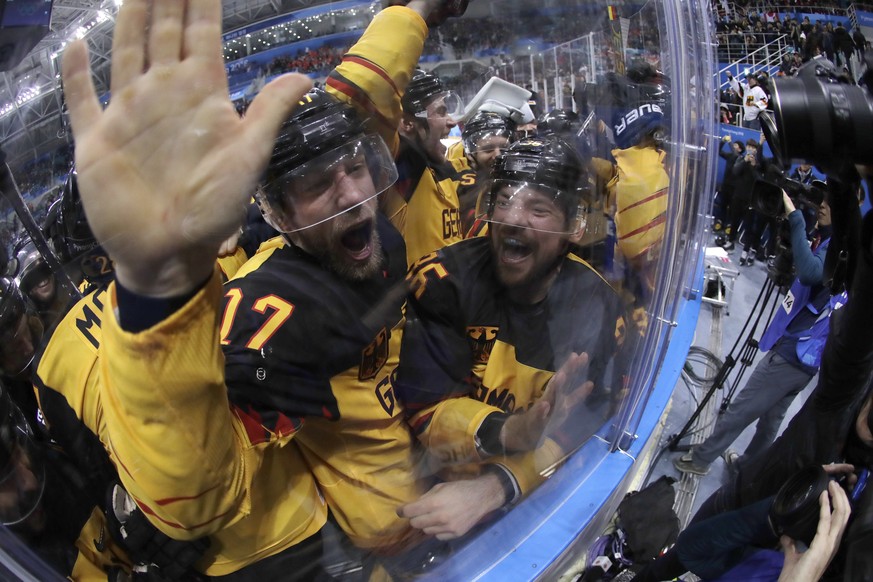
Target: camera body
x: 767, y: 199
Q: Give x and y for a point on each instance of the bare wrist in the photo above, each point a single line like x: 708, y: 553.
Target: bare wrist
x: 173, y: 278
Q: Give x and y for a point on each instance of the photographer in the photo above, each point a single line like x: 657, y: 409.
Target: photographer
x: 795, y: 339
x: 731, y: 208
x: 746, y: 171
x: 835, y: 424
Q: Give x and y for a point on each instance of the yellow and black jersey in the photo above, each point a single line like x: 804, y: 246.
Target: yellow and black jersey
x: 232, y: 263
x: 182, y: 469
x: 639, y: 190
x: 312, y: 354
x: 469, y: 351
x: 70, y: 384
x: 424, y: 203
x: 455, y: 151
x: 374, y: 73
x: 470, y: 185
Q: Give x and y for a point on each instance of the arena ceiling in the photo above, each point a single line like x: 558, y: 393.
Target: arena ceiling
x: 30, y: 97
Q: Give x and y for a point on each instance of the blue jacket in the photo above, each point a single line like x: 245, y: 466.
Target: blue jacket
x: 800, y: 298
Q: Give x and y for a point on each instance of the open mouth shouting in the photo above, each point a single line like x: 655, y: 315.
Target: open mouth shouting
x: 357, y: 240
x: 511, y: 250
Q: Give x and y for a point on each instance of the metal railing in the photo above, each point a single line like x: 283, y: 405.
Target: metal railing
x: 760, y: 44
x: 789, y: 9
x: 766, y: 58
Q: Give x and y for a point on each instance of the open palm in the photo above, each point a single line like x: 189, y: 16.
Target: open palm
x: 166, y: 169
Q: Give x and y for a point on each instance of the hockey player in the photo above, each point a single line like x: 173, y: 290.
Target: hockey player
x: 638, y: 183
x: 491, y: 320
x: 424, y: 205
x: 47, y: 503
x: 485, y: 136
x: 195, y: 464
x: 20, y: 333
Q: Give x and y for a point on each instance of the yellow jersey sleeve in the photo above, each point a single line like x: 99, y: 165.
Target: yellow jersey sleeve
x: 374, y: 73
x: 181, y: 451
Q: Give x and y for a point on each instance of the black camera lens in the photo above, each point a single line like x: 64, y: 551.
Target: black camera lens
x: 795, y: 509
x: 821, y: 121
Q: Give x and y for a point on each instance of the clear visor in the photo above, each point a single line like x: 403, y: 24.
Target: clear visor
x: 331, y: 184
x: 531, y: 206
x: 488, y: 141
x: 22, y: 482
x: 445, y: 105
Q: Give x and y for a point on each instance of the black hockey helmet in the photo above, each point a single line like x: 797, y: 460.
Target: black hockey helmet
x: 547, y: 166
x: 31, y: 269
x: 67, y: 228
x: 12, y: 303
x: 425, y: 88
x: 73, y: 236
x: 321, y: 137
x: 485, y: 124
x: 636, y: 104
x: 22, y: 466
x: 560, y: 122
x: 18, y: 339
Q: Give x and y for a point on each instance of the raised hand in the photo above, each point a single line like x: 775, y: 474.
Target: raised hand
x: 523, y: 431
x: 166, y: 169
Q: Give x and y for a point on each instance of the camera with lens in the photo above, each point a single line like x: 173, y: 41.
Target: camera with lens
x: 821, y: 117
x: 795, y: 509
x: 767, y: 199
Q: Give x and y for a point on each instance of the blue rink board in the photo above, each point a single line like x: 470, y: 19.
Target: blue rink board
x: 527, y: 541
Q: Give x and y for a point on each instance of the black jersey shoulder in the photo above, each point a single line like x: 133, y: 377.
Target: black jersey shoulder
x: 327, y: 323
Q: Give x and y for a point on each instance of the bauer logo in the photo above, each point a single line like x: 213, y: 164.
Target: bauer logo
x: 635, y: 114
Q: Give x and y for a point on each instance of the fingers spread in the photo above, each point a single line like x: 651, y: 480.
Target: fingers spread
x: 128, y: 43
x: 165, y: 32
x: 79, y: 90
x: 203, y: 30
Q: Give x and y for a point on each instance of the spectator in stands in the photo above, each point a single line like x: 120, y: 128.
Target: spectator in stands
x: 843, y: 45
x: 796, y: 63
x: 753, y: 96
x: 860, y: 43
x: 785, y: 66
x: 828, y: 46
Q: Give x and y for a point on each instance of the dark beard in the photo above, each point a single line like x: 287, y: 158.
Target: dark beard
x: 356, y: 271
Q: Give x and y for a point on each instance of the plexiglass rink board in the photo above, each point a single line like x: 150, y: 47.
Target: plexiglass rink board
x: 392, y: 390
